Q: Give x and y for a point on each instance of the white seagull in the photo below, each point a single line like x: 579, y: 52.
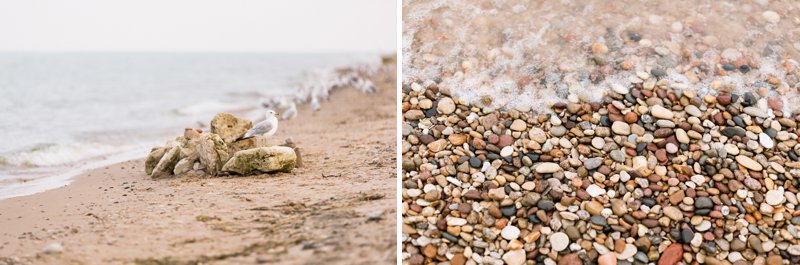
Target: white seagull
x: 265, y: 128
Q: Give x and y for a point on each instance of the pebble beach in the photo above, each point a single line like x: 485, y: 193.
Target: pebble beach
x: 662, y: 143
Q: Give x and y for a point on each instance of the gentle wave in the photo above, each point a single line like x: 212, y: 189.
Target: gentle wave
x: 56, y: 154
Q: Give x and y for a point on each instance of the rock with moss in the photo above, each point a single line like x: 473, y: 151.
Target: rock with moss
x: 152, y: 159
x: 262, y: 159
x: 229, y: 127
x: 166, y: 166
x: 212, y: 152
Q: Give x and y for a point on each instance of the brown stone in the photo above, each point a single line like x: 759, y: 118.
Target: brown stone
x: 676, y: 197
x: 724, y: 99
x: 775, y: 103
x: 570, y: 259
x: 458, y: 259
x: 478, y: 143
x: 672, y: 255
x: 631, y: 117
x: 457, y: 139
x: 774, y: 260
x: 430, y: 251
x: 505, y: 140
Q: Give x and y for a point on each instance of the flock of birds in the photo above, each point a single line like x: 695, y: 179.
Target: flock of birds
x: 314, y: 89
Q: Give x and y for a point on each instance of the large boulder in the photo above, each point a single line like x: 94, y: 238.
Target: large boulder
x: 212, y: 152
x: 153, y: 158
x: 262, y: 159
x: 229, y: 127
x: 166, y: 166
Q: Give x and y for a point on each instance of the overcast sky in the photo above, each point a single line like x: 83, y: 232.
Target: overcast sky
x: 198, y: 25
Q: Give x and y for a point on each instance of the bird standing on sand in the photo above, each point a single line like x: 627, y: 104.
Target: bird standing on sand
x: 265, y: 128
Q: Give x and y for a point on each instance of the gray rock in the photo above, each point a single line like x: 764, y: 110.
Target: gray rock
x: 598, y: 220
x: 546, y: 205
x: 703, y: 203
x: 617, y: 156
x: 558, y: 131
x: 593, y: 163
x: 733, y: 131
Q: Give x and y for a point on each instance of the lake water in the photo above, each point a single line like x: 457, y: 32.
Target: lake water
x: 62, y: 113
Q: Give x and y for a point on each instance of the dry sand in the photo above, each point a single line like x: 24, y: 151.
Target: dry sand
x: 316, y: 214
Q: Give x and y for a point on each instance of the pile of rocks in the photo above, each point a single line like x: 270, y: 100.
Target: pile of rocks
x: 220, y: 152
x: 652, y: 173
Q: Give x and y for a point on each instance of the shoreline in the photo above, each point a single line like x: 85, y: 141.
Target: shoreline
x: 24, y: 176
x: 338, y: 207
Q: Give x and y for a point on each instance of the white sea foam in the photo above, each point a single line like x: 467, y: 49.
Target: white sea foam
x: 482, y: 49
x: 56, y: 154
x: 13, y: 187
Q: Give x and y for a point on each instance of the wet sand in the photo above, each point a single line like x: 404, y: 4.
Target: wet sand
x: 338, y: 208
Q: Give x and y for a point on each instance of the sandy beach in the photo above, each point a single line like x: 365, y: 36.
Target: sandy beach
x: 338, y: 208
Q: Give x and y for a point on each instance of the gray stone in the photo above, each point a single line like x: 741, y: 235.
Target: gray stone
x: 593, y: 163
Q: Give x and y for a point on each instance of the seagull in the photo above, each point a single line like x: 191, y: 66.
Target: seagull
x: 365, y: 85
x: 265, y: 128
x: 290, y: 112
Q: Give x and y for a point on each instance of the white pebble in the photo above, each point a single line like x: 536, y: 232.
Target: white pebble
x: 595, y: 190
x: 507, y: 151
x: 765, y: 141
x: 771, y: 17
x: 510, y: 232
x: 774, y: 197
x: 559, y: 241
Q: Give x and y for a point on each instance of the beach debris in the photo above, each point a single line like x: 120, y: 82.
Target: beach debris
x: 375, y: 215
x: 53, y: 248
x: 211, y: 152
x: 261, y: 159
x: 229, y: 127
